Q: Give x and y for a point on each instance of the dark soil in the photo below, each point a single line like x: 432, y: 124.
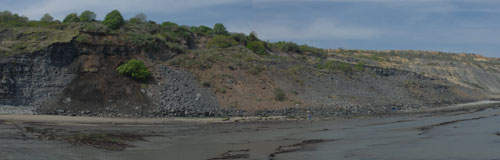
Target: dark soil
x: 302, y: 146
x: 112, y: 141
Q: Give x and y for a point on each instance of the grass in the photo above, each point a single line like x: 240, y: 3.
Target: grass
x: 279, y: 94
x: 21, y: 40
x: 234, y: 57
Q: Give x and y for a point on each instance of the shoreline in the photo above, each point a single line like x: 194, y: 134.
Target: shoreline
x: 63, y: 119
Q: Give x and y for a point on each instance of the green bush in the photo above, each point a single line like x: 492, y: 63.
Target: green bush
x: 134, y: 69
x: 336, y: 66
x: 72, y: 17
x: 220, y: 29
x: 359, y: 67
x: 114, y: 20
x: 286, y: 46
x: 87, y: 16
x: 201, y: 29
x: 138, y: 18
x: 257, y: 47
x: 7, y: 18
x: 279, y: 95
x: 253, y: 36
x: 240, y: 37
x: 47, y: 18
x: 221, y: 41
x: 169, y: 25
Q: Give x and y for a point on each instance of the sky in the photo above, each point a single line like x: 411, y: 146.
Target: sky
x: 461, y: 26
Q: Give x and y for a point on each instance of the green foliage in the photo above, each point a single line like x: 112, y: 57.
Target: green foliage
x: 134, y: 69
x: 240, y: 37
x: 291, y: 47
x: 220, y: 29
x: 114, y: 20
x: 138, y: 18
x: 12, y: 20
x: 310, y: 49
x: 87, y: 16
x: 24, y: 40
x: 72, y: 17
x: 47, y: 18
x: 221, y: 41
x: 169, y: 25
x: 286, y: 46
x: 279, y: 94
x: 253, y: 36
x: 201, y: 29
x: 257, y: 47
x: 359, y: 67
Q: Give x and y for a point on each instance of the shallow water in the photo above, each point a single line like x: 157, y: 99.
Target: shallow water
x: 466, y: 136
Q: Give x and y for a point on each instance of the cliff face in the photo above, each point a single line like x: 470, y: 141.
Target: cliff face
x: 31, y: 79
x: 79, y: 77
x: 473, y: 75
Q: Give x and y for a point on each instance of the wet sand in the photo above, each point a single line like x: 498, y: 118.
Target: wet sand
x: 464, y: 133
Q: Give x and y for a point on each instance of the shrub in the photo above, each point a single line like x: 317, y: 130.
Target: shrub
x: 114, y: 20
x: 201, y: 29
x: 138, y: 18
x: 221, y: 41
x: 240, y: 37
x: 257, y: 47
x: 336, y: 66
x: 279, y: 95
x: 359, y: 67
x: 134, y: 69
x: 286, y: 46
x: 47, y: 18
x: 72, y: 17
x: 219, y: 29
x: 169, y: 25
x: 87, y: 16
x: 253, y: 36
x: 9, y: 19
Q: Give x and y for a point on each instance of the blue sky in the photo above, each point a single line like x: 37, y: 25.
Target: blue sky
x: 469, y: 26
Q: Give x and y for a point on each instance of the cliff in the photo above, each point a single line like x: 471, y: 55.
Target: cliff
x: 71, y: 70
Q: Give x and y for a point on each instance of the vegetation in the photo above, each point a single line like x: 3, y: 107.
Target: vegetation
x: 138, y: 18
x: 201, y: 29
x: 257, y: 47
x: 47, y: 18
x: 114, y: 20
x: 72, y: 17
x: 220, y: 29
x: 221, y: 41
x: 359, y: 67
x: 87, y: 16
x: 291, y: 47
x: 279, y: 94
x: 9, y: 19
x: 134, y: 69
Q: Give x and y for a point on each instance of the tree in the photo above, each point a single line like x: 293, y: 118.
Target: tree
x: 87, y: 16
x: 169, y: 25
x: 253, y: 36
x: 257, y: 47
x: 219, y: 29
x: 72, y: 17
x: 47, y: 18
x: 7, y: 18
x: 114, y: 20
x: 138, y: 18
x: 135, y: 69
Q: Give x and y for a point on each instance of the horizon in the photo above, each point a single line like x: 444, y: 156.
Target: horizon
x: 440, y: 25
